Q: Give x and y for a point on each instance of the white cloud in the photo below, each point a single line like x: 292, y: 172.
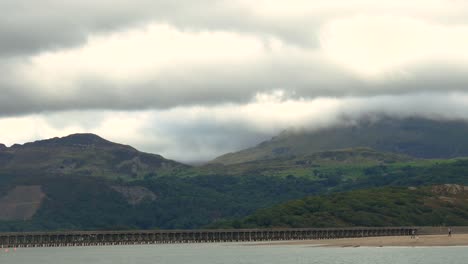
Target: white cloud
x: 140, y: 54
x: 194, y: 80
x: 382, y: 46
x: 159, y: 66
x: 202, y: 133
x: 155, y: 66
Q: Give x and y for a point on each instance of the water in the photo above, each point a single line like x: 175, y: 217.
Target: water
x: 234, y: 254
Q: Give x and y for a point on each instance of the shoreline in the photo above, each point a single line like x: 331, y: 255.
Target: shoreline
x: 387, y: 241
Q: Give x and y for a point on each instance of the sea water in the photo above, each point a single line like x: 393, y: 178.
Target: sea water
x: 234, y: 254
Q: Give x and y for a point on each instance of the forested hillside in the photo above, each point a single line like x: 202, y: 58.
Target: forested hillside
x: 86, y: 182
x: 389, y: 206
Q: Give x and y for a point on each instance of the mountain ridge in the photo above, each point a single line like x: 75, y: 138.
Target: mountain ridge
x: 84, y: 154
x: 76, y: 139
x: 416, y: 137
x: 89, y: 182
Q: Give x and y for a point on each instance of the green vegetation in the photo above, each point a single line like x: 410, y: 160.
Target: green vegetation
x: 390, y: 206
x: 351, y: 161
x: 90, y: 202
x: 425, y: 172
x: 198, y: 201
x: 78, y: 174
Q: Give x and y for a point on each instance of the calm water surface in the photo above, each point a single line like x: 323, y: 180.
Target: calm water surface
x: 235, y: 254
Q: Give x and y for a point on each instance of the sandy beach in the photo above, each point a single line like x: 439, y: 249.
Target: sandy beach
x: 393, y: 241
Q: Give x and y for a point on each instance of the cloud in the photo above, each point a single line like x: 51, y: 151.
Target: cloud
x: 232, y: 73
x: 34, y: 26
x: 158, y: 66
x: 374, y: 46
x: 200, y: 133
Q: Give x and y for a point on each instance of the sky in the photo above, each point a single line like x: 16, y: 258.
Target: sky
x: 192, y: 80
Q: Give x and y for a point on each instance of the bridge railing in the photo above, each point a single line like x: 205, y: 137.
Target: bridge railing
x: 95, y: 238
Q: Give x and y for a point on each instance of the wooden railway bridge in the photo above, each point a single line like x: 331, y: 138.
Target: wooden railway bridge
x: 98, y: 238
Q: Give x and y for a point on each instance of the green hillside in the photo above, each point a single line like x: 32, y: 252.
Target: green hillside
x: 391, y: 206
x: 416, y: 137
x: 351, y: 162
x: 85, y: 182
x: 86, y: 202
x: 90, y: 203
x: 84, y: 155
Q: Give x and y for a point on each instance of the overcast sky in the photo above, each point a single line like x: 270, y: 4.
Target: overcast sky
x: 195, y: 79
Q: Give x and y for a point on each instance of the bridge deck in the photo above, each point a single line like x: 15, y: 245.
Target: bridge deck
x: 96, y: 238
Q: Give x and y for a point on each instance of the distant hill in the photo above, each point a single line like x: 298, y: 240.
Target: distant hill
x: 342, y: 159
x: 416, y: 137
x: 390, y: 206
x: 86, y: 155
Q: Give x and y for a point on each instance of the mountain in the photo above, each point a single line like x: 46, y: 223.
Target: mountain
x: 84, y: 182
x: 416, y: 137
x: 424, y: 206
x: 86, y: 155
x: 342, y: 159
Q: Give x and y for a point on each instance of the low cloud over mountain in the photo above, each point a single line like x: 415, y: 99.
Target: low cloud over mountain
x: 195, y: 80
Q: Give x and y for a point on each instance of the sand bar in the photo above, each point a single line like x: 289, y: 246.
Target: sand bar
x: 391, y: 241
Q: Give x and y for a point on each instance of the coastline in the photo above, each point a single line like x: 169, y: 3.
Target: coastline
x: 389, y: 241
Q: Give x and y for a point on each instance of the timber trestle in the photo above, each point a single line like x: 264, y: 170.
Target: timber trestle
x: 102, y: 238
